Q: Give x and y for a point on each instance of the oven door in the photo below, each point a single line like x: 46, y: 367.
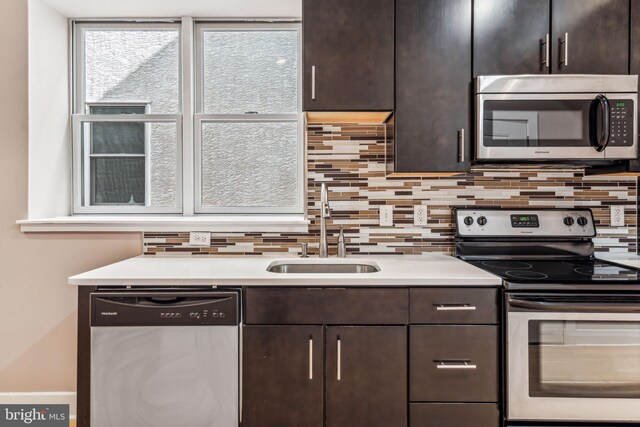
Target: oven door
x: 552, y: 126
x: 573, y: 358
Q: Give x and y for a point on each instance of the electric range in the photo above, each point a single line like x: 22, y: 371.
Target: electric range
x: 572, y: 328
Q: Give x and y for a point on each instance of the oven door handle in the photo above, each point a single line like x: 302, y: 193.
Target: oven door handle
x: 591, y: 307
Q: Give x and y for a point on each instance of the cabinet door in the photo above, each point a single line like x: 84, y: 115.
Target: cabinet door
x: 283, y: 376
x: 509, y: 37
x: 366, y: 376
x: 598, y: 36
x: 348, y: 55
x: 433, y: 85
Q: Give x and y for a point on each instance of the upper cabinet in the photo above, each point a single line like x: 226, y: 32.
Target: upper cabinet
x: 348, y: 55
x: 557, y: 36
x: 510, y: 37
x: 590, y: 36
x: 433, y: 85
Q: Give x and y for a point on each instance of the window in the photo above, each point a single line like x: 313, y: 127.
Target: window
x: 138, y: 150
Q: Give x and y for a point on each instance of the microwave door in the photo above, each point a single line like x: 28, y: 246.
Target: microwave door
x: 528, y: 127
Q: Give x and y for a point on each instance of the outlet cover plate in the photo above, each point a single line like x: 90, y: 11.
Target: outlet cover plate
x: 420, y: 215
x: 386, y: 215
x: 199, y: 238
x: 617, y: 216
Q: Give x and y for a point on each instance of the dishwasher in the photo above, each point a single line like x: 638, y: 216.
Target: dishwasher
x: 165, y: 358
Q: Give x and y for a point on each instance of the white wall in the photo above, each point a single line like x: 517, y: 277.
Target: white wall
x: 175, y: 8
x: 37, y: 307
x: 49, y: 148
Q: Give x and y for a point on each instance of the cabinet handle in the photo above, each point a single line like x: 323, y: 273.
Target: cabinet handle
x: 310, y: 358
x: 313, y: 82
x: 461, y: 145
x: 565, y: 41
x: 546, y: 43
x: 454, y: 364
x: 455, y: 307
x: 339, y: 351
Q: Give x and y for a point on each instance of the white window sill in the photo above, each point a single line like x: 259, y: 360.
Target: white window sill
x: 132, y: 223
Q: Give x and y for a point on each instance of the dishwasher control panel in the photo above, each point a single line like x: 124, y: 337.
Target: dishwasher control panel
x: 164, y: 308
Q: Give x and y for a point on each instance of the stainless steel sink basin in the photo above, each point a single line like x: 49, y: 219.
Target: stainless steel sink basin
x: 316, y: 267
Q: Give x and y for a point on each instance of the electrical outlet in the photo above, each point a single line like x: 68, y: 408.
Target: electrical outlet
x: 386, y: 215
x: 420, y: 215
x: 199, y: 238
x: 617, y: 216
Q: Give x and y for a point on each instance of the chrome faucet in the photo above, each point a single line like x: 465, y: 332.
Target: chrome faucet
x: 325, y: 212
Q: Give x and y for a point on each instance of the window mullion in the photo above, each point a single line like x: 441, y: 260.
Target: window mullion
x: 188, y: 137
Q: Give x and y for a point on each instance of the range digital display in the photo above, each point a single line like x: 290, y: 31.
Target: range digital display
x: 525, y: 221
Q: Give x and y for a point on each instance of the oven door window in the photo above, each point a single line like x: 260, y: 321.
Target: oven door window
x: 584, y: 359
x: 537, y: 123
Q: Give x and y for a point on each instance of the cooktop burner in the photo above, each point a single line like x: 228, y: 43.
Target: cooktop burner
x: 590, y: 271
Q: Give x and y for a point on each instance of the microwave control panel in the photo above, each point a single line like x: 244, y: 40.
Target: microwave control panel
x: 621, y: 126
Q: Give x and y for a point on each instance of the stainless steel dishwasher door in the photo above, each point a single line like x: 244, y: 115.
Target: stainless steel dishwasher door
x: 164, y: 376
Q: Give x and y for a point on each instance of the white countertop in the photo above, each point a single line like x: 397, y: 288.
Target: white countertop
x: 403, y: 270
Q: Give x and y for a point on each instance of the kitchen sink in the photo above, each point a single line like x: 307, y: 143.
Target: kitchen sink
x: 319, y: 267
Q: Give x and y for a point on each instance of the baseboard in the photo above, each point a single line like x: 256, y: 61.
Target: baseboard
x: 43, y: 398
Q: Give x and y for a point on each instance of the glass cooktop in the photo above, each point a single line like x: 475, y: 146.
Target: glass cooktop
x: 588, y: 272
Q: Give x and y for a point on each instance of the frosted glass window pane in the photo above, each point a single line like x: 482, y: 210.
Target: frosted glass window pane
x: 249, y: 164
x: 133, y: 65
x: 148, y: 178
x: 250, y: 71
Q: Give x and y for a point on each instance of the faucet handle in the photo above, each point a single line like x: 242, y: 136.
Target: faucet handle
x: 305, y: 250
x: 342, y: 247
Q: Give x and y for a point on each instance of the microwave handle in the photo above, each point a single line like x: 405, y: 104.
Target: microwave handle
x: 591, y: 307
x: 603, y: 103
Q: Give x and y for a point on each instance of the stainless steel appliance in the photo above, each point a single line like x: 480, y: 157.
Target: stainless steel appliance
x: 164, y: 359
x: 572, y: 320
x: 556, y: 117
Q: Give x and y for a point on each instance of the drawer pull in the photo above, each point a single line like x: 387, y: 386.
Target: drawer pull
x: 455, y: 307
x: 457, y: 364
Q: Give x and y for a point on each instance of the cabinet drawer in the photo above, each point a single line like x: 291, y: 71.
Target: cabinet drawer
x: 326, y: 306
x: 454, y: 305
x: 453, y: 363
x: 454, y: 414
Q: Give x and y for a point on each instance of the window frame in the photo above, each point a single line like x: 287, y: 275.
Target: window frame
x: 81, y: 180
x: 200, y: 117
x: 188, y: 120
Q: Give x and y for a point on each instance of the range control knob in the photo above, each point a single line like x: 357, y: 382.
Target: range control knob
x: 482, y: 221
x: 468, y: 220
x: 568, y: 221
x: 582, y: 221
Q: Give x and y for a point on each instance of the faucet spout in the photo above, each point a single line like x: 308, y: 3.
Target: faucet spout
x: 325, y: 212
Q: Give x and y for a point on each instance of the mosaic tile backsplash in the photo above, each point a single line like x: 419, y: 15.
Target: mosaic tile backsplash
x: 350, y: 158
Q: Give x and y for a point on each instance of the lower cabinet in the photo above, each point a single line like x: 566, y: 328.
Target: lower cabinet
x: 454, y: 414
x: 293, y: 375
x: 282, y: 373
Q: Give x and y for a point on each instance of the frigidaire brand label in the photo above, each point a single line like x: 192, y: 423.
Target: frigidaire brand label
x: 34, y: 415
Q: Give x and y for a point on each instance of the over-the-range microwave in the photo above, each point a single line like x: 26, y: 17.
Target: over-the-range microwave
x: 524, y: 118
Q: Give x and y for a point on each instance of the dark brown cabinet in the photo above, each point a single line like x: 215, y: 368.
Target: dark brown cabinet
x: 366, y: 376
x: 462, y: 367
x: 458, y: 415
x: 590, y: 36
x: 326, y: 374
x: 634, y: 59
x: 348, y: 55
x: 510, y: 37
x: 283, y: 376
x: 433, y: 85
